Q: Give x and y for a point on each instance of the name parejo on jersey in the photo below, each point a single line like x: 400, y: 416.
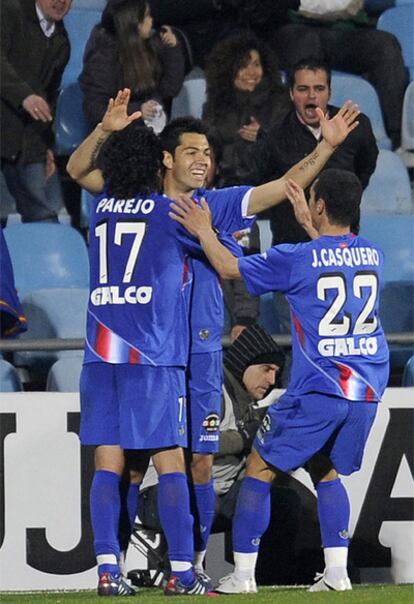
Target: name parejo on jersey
x: 132, y: 294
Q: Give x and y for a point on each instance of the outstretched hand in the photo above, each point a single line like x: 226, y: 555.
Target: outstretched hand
x: 116, y: 116
x: 336, y: 129
x: 297, y: 198
x: 188, y: 213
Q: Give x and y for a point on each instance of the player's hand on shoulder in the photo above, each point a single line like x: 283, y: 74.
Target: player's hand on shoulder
x: 194, y: 217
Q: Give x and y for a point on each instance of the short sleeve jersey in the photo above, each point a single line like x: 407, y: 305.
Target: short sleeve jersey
x: 332, y: 285
x: 140, y: 282
x: 207, y: 308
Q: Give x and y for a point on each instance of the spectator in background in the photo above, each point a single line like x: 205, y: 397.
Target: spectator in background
x: 242, y: 74
x: 286, y: 143
x: 35, y: 49
x: 12, y: 319
x: 123, y: 51
x: 338, y: 32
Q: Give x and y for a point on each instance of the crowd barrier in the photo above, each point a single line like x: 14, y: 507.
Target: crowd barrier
x: 45, y: 533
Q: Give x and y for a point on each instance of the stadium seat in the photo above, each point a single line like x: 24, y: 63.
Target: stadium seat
x: 399, y: 21
x: 394, y: 233
x: 71, y: 124
x: 79, y: 23
x: 88, y: 4
x: 52, y: 313
x: 407, y: 127
x: 265, y: 234
x: 64, y: 375
x: 408, y: 375
x: 397, y: 316
x: 346, y: 86
x: 9, y: 378
x: 47, y: 255
x: 192, y: 95
x: 389, y: 189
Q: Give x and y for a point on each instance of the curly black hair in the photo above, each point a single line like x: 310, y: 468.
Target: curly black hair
x: 131, y: 162
x: 225, y: 60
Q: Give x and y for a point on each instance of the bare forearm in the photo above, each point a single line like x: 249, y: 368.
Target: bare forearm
x: 304, y: 172
x: 82, y: 161
x: 219, y: 256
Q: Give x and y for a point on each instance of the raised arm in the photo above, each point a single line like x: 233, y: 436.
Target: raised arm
x: 197, y: 220
x: 81, y: 164
x: 334, y: 131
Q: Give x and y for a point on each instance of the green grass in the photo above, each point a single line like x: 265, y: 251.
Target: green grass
x: 372, y: 594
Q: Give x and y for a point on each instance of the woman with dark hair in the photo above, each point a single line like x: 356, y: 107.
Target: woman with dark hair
x: 123, y: 51
x: 244, y: 93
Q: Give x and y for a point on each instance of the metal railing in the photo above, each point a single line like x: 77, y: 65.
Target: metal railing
x: 26, y: 344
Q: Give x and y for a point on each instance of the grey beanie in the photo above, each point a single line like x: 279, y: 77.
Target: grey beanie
x: 253, y: 347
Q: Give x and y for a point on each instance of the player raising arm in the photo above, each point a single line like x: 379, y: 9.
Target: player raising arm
x: 339, y: 367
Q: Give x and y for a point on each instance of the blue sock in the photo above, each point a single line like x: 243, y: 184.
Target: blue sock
x: 177, y: 523
x: 206, y: 507
x: 105, y: 509
x: 334, y: 512
x: 252, y: 515
x: 129, y: 493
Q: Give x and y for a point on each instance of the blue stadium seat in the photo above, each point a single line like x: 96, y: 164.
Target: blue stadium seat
x: 192, y: 95
x: 346, y: 86
x: 399, y: 21
x: 389, y: 189
x: 47, y: 255
x: 407, y: 126
x: 79, y: 23
x: 71, y: 124
x: 408, y: 375
x: 265, y: 234
x: 52, y: 313
x: 397, y: 316
x: 64, y: 375
x: 394, y: 233
x: 9, y: 378
x: 89, y: 4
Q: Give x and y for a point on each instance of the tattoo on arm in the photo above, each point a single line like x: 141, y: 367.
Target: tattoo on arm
x: 310, y: 162
x: 95, y: 152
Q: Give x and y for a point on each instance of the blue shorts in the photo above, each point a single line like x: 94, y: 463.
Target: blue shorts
x: 297, y: 427
x: 205, y: 373
x: 134, y: 406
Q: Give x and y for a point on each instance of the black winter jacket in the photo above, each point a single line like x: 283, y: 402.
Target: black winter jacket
x: 31, y: 63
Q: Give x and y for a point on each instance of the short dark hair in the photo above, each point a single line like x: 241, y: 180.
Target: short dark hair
x: 131, y: 162
x: 312, y: 64
x: 341, y: 191
x: 171, y: 135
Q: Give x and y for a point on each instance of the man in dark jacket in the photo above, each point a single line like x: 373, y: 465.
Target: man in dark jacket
x: 296, y: 136
x: 35, y: 49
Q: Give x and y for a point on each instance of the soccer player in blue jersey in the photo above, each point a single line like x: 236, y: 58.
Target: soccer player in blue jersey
x: 133, y: 392
x: 339, y: 369
x: 186, y: 163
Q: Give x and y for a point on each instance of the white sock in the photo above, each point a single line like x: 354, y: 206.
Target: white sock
x: 199, y: 560
x: 244, y: 565
x: 179, y: 566
x: 336, y: 560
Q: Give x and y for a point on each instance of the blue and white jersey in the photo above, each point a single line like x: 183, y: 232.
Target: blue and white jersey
x: 229, y: 208
x: 332, y: 285
x: 140, y: 282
